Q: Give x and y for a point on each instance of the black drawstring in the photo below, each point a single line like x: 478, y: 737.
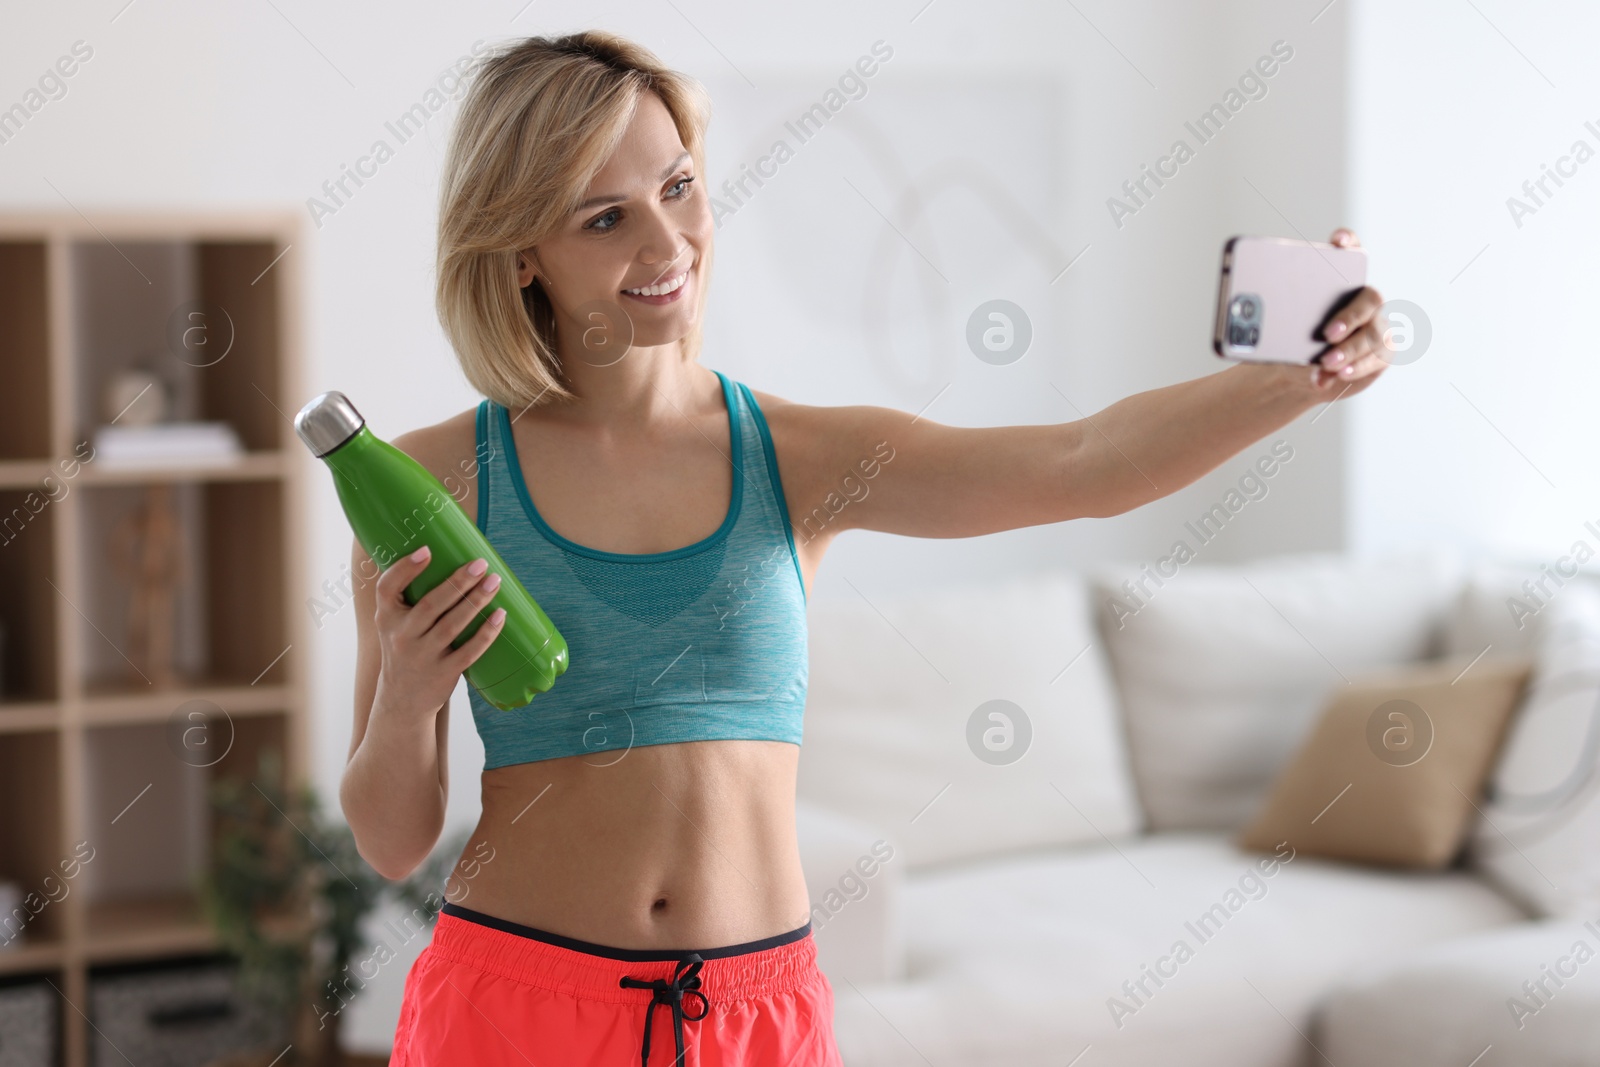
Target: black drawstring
x: 685, y: 983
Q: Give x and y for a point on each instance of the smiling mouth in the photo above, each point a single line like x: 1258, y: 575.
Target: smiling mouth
x: 671, y: 285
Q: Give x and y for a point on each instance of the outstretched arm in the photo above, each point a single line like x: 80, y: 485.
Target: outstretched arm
x: 947, y: 481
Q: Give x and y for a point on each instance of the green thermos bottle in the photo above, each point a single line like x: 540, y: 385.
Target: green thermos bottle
x: 395, y: 505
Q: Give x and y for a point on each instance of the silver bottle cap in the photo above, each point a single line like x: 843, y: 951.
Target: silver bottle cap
x: 327, y: 422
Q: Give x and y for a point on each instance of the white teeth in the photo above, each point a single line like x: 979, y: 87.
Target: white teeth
x: 662, y: 289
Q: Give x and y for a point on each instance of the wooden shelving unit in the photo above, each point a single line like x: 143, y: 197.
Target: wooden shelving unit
x: 87, y: 749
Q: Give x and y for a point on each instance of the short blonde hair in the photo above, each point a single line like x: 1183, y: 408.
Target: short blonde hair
x: 540, y: 118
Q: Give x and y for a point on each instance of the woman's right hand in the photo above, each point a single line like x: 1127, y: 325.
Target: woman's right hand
x: 420, y: 669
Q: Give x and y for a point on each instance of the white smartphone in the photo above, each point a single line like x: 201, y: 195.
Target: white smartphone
x: 1275, y: 295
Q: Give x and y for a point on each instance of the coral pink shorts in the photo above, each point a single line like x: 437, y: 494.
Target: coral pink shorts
x: 488, y: 991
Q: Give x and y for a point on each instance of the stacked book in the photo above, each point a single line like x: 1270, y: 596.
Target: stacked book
x: 176, y: 443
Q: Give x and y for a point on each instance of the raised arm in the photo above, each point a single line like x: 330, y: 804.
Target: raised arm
x: 947, y: 481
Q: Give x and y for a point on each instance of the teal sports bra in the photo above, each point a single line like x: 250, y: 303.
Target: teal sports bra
x: 702, y: 642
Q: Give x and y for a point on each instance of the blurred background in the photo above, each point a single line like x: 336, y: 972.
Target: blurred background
x: 197, y: 157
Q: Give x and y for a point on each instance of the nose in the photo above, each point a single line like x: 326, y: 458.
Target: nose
x: 660, y: 246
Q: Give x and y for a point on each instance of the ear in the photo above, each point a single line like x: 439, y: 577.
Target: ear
x: 525, y: 271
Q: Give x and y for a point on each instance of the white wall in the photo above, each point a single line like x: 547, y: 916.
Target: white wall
x: 1016, y: 121
x: 1480, y: 440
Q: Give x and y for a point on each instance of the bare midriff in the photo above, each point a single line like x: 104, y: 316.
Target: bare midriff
x: 688, y: 845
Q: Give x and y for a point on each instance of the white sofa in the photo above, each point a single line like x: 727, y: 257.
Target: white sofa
x: 1081, y: 903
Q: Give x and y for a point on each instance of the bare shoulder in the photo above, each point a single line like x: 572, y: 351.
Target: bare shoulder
x: 826, y: 453
x: 448, y: 451
x: 828, y: 434
x: 801, y: 435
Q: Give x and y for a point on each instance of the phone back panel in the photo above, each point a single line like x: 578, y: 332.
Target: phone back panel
x: 1297, y: 284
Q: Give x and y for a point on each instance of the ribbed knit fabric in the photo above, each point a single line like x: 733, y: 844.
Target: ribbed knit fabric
x: 701, y: 642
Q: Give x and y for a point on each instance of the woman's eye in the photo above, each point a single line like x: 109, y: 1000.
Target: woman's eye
x: 608, y: 221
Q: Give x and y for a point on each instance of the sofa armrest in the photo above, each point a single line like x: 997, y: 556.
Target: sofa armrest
x: 853, y: 876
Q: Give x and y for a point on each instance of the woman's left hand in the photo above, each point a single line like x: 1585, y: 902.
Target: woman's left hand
x: 1358, y: 354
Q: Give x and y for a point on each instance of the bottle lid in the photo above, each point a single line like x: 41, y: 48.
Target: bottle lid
x: 327, y: 422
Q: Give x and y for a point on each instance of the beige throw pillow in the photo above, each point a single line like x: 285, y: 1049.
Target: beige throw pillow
x: 1392, y: 770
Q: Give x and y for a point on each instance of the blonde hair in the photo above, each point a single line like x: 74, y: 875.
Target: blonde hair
x: 540, y: 118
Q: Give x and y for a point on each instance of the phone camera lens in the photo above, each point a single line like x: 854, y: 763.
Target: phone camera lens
x: 1243, y: 326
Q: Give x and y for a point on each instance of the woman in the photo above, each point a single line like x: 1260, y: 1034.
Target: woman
x: 637, y: 844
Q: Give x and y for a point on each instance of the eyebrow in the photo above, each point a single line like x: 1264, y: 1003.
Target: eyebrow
x: 595, y: 201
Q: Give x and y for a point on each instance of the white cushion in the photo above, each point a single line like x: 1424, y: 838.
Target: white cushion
x: 1445, y: 1006
x: 1481, y: 617
x: 1539, y: 836
x: 894, y: 684
x: 1014, y: 962
x: 1222, y: 669
x: 854, y: 875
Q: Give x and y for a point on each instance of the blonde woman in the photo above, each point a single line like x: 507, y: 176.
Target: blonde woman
x: 637, y: 845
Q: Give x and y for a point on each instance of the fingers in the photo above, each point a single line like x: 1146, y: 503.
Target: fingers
x: 420, y: 618
x: 1342, y: 357
x: 1370, y: 364
x: 1365, y: 355
x: 452, y: 622
x: 393, y: 581
x: 1357, y: 312
x: 1345, y: 238
x: 444, y: 596
x: 478, y: 643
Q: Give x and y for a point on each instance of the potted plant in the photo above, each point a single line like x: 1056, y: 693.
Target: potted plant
x: 287, y: 893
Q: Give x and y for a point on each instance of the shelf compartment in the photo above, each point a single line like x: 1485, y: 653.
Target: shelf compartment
x: 31, y: 846
x: 226, y: 623
x: 28, y: 605
x: 144, y: 804
x: 144, y: 900
x: 253, y: 735
x: 157, y: 926
x: 202, y: 317
x: 247, y: 388
x: 147, y: 927
x: 245, y: 583
x: 25, y: 351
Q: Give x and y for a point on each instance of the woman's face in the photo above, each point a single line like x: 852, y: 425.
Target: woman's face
x: 646, y: 221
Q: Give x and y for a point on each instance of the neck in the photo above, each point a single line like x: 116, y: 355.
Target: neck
x: 649, y: 386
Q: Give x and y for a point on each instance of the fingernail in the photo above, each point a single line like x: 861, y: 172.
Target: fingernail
x: 1347, y: 370
x: 1335, y: 359
x: 420, y: 554
x: 477, y: 566
x: 498, y: 617
x: 491, y: 583
x: 1335, y: 330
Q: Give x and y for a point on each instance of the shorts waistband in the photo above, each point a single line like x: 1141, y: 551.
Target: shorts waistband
x: 782, y: 963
